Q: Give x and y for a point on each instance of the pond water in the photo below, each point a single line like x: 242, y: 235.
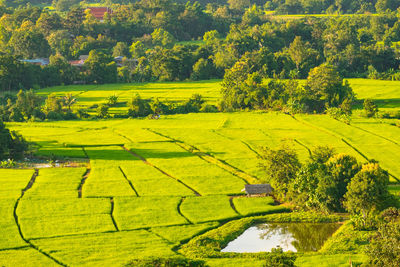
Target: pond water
x: 296, y: 237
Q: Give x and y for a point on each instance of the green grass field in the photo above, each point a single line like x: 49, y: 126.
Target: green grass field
x: 151, y: 185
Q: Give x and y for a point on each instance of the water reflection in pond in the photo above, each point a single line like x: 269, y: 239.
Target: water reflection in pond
x: 296, y: 237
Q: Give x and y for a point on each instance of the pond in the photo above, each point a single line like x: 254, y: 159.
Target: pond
x: 296, y: 237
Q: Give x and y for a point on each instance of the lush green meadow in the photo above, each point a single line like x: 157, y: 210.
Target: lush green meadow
x: 151, y: 185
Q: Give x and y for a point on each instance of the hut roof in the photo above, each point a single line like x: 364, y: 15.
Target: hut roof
x: 252, y: 189
x: 98, y: 12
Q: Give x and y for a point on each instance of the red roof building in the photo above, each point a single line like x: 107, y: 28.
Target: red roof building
x: 98, y: 12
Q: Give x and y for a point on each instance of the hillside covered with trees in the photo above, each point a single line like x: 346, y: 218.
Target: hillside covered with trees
x: 168, y: 41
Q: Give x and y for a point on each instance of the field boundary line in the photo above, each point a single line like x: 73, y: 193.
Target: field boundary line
x: 145, y: 161
x: 377, y: 135
x: 112, y: 213
x: 340, y: 137
x: 159, y: 236
x: 235, y: 139
x: 180, y: 211
x: 15, y: 248
x: 23, y: 191
x: 83, y: 180
x: 343, y: 139
x: 233, y: 206
x: 249, y: 146
x: 247, y: 178
x: 129, y: 181
x: 303, y: 145
x: 124, y: 136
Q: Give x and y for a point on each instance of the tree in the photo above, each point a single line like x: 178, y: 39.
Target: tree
x: 367, y: 192
x: 67, y: 74
x: 341, y: 168
x: 238, y: 4
x: 48, y: 22
x: 303, y: 55
x: 12, y: 145
x: 10, y: 72
x: 102, y: 111
x: 370, y: 108
x: 158, y: 107
x: 203, y: 69
x: 74, y: 20
x: 65, y: 5
x: 121, y: 49
x: 53, y: 103
x: 69, y: 100
x: 384, y: 247
x: 278, y: 258
x: 100, y: 68
x: 60, y: 42
x: 138, y: 107
x: 29, y: 43
x: 194, y: 103
x: 325, y: 88
x: 28, y: 103
x: 162, y: 37
x: 280, y: 167
x: 137, y: 49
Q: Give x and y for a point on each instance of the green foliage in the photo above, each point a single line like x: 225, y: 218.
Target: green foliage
x: 367, y: 192
x: 112, y: 100
x: 137, y: 49
x: 102, y: 111
x: 280, y: 259
x: 162, y: 37
x: 176, y: 261
x: 325, y: 88
x: 138, y: 107
x: 100, y: 68
x: 370, y: 108
x: 12, y: 144
x: 281, y: 167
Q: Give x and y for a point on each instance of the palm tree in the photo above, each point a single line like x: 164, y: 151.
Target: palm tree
x: 69, y: 100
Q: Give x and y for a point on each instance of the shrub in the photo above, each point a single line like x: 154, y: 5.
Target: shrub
x: 82, y: 113
x: 12, y: 145
x: 138, y: 107
x: 53, y: 115
x: 208, y: 108
x: 102, y: 111
x: 370, y: 108
x: 166, y: 262
x: 112, y: 100
x: 70, y: 116
x: 277, y: 258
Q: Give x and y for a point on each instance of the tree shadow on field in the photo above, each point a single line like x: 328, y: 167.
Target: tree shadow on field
x: 122, y: 155
x: 381, y: 103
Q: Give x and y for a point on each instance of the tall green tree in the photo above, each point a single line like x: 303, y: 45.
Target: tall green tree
x: 368, y: 191
x: 280, y: 167
x: 325, y: 88
x: 100, y: 68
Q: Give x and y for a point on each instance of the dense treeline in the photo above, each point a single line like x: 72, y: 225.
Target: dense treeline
x: 329, y: 182
x: 242, y: 45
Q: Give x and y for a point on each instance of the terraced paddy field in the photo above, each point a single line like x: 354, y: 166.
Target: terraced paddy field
x: 145, y: 187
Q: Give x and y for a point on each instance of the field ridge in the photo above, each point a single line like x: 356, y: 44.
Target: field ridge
x: 247, y: 178
x: 145, y: 161
x: 23, y: 191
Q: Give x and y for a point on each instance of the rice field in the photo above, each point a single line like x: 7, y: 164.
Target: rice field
x: 144, y: 187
